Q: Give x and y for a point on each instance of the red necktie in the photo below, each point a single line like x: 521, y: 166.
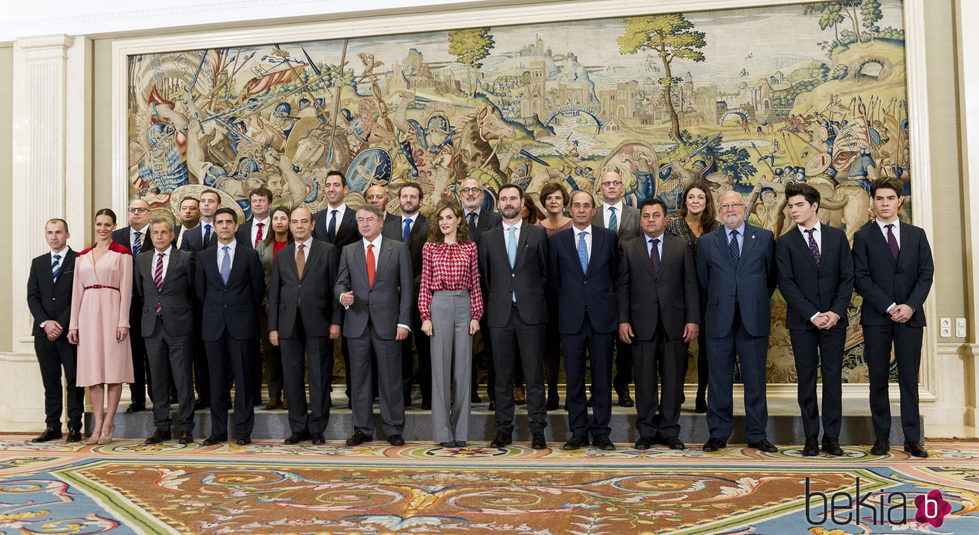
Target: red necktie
x: 258, y: 235
x: 370, y: 264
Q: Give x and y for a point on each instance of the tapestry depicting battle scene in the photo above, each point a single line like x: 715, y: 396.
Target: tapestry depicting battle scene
x: 746, y: 99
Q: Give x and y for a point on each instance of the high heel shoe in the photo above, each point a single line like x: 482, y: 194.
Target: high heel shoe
x: 94, y: 437
x: 106, y: 436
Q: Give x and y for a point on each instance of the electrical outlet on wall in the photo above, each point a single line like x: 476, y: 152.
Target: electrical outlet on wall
x: 945, y: 328
x: 960, y: 327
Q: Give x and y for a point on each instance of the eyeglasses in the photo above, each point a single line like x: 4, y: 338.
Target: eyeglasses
x: 731, y: 205
x: 610, y: 183
x: 470, y: 190
x: 138, y: 210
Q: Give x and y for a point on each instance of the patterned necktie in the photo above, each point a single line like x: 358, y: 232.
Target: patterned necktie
x: 258, y: 235
x: 654, y: 255
x: 733, y: 247
x: 137, y: 243
x: 511, y: 252
x: 892, y: 241
x: 613, y: 221
x: 158, y: 280
x: 226, y: 264
x: 370, y: 264
x: 300, y: 259
x: 407, y: 232
x: 331, y: 229
x: 472, y: 224
x: 814, y: 248
x: 207, y: 234
x: 55, y: 267
x: 583, y: 251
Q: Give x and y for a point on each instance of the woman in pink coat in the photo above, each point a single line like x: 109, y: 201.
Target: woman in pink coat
x: 100, y: 323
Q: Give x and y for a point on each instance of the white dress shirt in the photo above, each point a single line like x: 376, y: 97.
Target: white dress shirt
x: 376, y: 251
x: 166, y: 262
x: 659, y: 245
x: 606, y: 213
x: 265, y: 228
x: 142, y: 235
x: 306, y: 245
x: 896, y: 230
x: 516, y: 235
x: 588, y: 238
x: 183, y: 229
x: 231, y: 252
x: 817, y: 236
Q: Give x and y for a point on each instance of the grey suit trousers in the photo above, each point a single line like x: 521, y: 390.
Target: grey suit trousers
x: 171, y: 355
x: 451, y: 348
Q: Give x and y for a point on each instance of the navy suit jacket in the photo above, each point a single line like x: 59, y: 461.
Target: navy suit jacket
x: 593, y: 291
x: 194, y: 239
x: 808, y: 291
x: 882, y: 281
x: 346, y: 230
x: 232, y: 306
x: 47, y: 299
x: 749, y: 285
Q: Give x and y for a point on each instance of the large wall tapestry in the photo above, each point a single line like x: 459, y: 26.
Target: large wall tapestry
x: 748, y: 99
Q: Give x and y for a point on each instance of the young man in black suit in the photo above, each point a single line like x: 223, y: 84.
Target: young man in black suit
x: 136, y: 238
x: 49, y: 299
x: 893, y: 270
x: 815, y: 274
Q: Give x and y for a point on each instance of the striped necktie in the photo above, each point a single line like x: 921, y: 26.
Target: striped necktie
x: 158, y: 280
x: 55, y: 267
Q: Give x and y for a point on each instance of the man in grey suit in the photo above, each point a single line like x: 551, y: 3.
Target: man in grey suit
x: 303, y: 320
x: 164, y: 283
x: 513, y: 263
x: 659, y: 312
x: 614, y: 214
x: 374, y: 285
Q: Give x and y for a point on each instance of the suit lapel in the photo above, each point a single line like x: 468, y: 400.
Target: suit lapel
x: 312, y: 256
x: 383, y: 257
x: 749, y: 242
x: 521, y: 246
x: 171, y: 267
x: 801, y: 243
x: 881, y: 242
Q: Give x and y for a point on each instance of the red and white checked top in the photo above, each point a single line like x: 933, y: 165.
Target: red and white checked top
x: 450, y: 266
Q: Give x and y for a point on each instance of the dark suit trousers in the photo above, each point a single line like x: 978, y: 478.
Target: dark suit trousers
x: 623, y: 365
x: 272, y: 355
x: 294, y: 359
x: 225, y: 357
x: 516, y: 344
x: 753, y: 353
x: 388, y: 382
x: 141, y: 372
x: 171, y: 354
x: 907, y: 354
x: 823, y: 350
x: 665, y: 356
x: 52, y: 357
x: 599, y: 349
x: 202, y: 379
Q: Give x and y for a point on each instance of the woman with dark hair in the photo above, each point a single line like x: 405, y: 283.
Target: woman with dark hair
x: 451, y: 305
x: 554, y: 198
x: 99, y: 325
x: 698, y: 216
x: 279, y: 237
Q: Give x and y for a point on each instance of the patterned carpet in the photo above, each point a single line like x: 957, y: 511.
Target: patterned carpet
x: 127, y: 487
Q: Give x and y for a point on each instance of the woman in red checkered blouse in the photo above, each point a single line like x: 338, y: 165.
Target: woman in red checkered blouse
x: 451, y: 305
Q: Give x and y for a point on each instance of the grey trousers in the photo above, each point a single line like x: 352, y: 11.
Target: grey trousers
x: 451, y: 348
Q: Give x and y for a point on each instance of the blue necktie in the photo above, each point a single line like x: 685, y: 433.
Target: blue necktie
x: 511, y: 252
x: 55, y: 267
x: 207, y: 234
x: 407, y: 232
x: 331, y: 230
x: 226, y: 265
x: 583, y: 252
x: 613, y: 222
x: 733, y: 247
x: 137, y: 243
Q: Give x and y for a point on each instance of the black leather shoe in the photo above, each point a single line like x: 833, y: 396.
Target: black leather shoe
x: 459, y: 444
x: 136, y: 407
x: 186, y: 437
x: 474, y: 398
x: 603, y: 443
x: 201, y: 404
x: 244, y: 441
x: 159, y: 435
x: 274, y: 403
x: 492, y: 405
x: 914, y: 449
x: 396, y: 440
x: 700, y: 406
x: 49, y: 434
x: 881, y: 447
x: 644, y: 443
x: 501, y: 440
x: 625, y: 400
x: 358, y: 438
x: 811, y: 449
x: 763, y: 445
x: 675, y: 444
x: 74, y: 435
x: 318, y: 439
x: 449, y: 444
x: 575, y: 442
x: 296, y: 438
x: 538, y: 442
x: 714, y: 444
x: 831, y: 445
x: 215, y: 439
x: 553, y: 402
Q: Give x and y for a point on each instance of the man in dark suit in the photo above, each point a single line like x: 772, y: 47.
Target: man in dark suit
x: 49, y: 299
x: 378, y: 196
x: 659, y: 313
x: 202, y: 236
x: 374, y: 285
x: 736, y: 264
x: 479, y: 221
x: 411, y: 228
x: 164, y: 282
x: 253, y: 233
x: 583, y: 265
x: 893, y: 271
x: 513, y: 264
x: 815, y: 274
x: 614, y: 214
x: 190, y: 217
x: 136, y: 238
x: 231, y: 285
x: 304, y: 318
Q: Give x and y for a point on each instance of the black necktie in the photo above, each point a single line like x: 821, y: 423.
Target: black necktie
x: 733, y: 247
x: 472, y: 223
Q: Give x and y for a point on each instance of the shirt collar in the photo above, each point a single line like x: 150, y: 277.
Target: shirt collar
x: 727, y: 231
x: 165, y: 252
x: 264, y: 222
x: 506, y: 228
x: 376, y: 241
x: 577, y: 232
x: 617, y: 206
x: 660, y: 237
x: 61, y: 252
x: 805, y: 231
x: 134, y: 230
x: 883, y: 226
x: 231, y: 246
x: 413, y: 217
x: 306, y: 244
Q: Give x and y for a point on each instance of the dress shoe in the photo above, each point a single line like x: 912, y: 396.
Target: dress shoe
x: 296, y: 438
x: 538, y: 442
x: 318, y: 439
x: 49, y: 434
x: 501, y: 440
x: 914, y: 449
x: 625, y: 400
x: 474, y: 398
x: 186, y: 437
x: 714, y: 444
x: 763, y: 445
x: 449, y: 444
x: 74, y: 435
x: 603, y: 443
x: 553, y: 402
x: 644, y: 443
x: 244, y: 441
x: 396, y: 440
x: 675, y: 444
x: 274, y: 403
x: 575, y: 442
x: 831, y: 445
x: 358, y: 438
x: 700, y: 405
x: 811, y: 449
x: 201, y: 404
x: 881, y: 447
x: 459, y: 444
x: 159, y: 435
x: 215, y: 439
x: 492, y: 405
x: 136, y: 407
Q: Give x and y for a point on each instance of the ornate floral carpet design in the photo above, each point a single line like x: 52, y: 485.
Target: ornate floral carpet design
x: 127, y: 487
